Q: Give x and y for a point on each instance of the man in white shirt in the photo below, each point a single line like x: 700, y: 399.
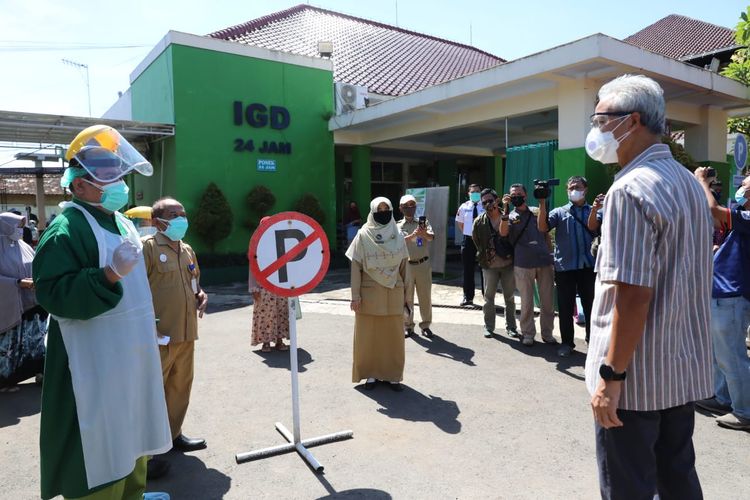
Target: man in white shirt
x: 465, y: 216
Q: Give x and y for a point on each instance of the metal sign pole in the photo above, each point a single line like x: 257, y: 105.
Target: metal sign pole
x: 295, y: 372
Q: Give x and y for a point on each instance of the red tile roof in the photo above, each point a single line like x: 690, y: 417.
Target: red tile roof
x: 678, y: 36
x: 23, y: 184
x: 386, y: 59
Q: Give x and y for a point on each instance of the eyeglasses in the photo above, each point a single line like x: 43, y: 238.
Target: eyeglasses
x: 598, y: 120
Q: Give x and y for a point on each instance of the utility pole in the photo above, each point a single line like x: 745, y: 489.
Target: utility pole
x: 86, y: 68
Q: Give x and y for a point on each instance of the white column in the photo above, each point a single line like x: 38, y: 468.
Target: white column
x: 576, y: 100
x: 707, y: 141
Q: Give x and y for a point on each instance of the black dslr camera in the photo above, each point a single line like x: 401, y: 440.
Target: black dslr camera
x: 541, y: 188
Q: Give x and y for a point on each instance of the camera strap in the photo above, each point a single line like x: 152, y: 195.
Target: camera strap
x: 592, y: 234
x: 523, y: 230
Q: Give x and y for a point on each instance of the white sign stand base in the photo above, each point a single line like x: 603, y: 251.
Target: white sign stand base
x: 294, y: 441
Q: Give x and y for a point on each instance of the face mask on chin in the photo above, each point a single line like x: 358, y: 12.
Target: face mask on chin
x: 602, y: 146
x: 382, y: 218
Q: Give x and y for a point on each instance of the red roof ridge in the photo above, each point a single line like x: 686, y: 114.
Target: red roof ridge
x: 260, y: 22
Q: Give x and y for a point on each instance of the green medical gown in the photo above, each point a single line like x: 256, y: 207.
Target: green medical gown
x: 69, y: 283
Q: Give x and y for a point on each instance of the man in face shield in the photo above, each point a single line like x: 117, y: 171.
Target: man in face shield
x: 103, y: 401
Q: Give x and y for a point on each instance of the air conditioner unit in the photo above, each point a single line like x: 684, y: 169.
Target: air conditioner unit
x: 349, y: 97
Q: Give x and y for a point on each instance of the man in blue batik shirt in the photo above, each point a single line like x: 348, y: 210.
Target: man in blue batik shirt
x: 574, y: 264
x: 730, y: 310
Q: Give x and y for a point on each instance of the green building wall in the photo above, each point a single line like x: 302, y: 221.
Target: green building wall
x: 197, y: 88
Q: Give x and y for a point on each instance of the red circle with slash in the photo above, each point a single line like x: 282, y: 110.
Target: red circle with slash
x: 293, y: 271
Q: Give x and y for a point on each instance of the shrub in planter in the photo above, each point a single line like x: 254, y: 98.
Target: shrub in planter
x: 213, y: 218
x: 259, y: 202
x: 309, y: 205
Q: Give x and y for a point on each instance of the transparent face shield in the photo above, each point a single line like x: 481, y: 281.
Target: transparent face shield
x: 107, y: 156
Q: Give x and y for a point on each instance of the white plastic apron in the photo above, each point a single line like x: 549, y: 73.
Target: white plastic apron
x: 116, y: 371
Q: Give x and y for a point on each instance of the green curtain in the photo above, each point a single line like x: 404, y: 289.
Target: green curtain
x: 528, y: 162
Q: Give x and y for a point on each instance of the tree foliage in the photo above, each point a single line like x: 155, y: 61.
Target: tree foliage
x: 213, y: 219
x: 739, y: 68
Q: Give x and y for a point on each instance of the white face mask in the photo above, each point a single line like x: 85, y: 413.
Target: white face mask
x: 602, y: 146
x: 575, y: 196
x: 17, y: 234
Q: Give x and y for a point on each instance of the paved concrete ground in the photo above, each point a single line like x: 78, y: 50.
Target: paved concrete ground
x: 480, y: 418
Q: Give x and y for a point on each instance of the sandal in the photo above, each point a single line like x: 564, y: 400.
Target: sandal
x: 281, y: 346
x: 266, y: 347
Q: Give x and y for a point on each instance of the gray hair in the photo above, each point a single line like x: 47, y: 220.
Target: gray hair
x: 636, y: 93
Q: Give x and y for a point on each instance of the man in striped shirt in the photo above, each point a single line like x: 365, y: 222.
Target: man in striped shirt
x: 650, y: 354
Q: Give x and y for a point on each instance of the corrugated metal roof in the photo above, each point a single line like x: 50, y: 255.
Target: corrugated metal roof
x: 386, y: 59
x: 678, y: 36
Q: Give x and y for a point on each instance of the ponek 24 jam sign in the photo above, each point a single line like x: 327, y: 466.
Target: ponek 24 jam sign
x: 260, y: 116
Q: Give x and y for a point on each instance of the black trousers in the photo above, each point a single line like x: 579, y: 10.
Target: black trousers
x: 469, y: 260
x: 651, y: 453
x: 568, y: 283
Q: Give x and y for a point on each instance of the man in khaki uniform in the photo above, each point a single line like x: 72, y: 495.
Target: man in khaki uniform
x: 418, y: 235
x: 174, y: 277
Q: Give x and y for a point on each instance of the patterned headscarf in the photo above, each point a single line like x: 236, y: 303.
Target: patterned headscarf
x: 380, y: 249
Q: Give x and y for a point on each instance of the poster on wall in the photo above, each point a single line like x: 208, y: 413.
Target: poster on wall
x: 433, y: 203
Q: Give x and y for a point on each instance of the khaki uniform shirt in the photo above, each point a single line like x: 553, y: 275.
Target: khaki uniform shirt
x: 415, y: 252
x: 171, y: 275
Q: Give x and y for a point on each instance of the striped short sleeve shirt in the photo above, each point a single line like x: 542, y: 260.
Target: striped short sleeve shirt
x: 656, y: 233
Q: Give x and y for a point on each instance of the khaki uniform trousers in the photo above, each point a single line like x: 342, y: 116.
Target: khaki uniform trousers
x: 544, y: 277
x: 177, y: 371
x: 419, y: 276
x: 506, y: 277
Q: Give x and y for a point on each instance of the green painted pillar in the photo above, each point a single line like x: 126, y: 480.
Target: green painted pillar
x: 570, y: 162
x: 339, y: 181
x: 447, y: 176
x: 499, y: 180
x: 361, y: 178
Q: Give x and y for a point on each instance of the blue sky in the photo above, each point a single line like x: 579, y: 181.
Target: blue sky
x: 38, y: 81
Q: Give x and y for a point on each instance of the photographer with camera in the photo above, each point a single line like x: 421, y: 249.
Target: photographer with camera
x: 730, y: 308
x: 574, y: 264
x: 532, y: 260
x: 495, y: 256
x: 418, y: 235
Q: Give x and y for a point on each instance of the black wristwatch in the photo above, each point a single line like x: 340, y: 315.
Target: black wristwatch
x: 608, y: 373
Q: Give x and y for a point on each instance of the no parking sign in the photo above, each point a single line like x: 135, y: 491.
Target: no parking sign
x: 289, y: 254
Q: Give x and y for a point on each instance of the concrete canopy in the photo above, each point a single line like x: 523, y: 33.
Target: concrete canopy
x: 548, y: 95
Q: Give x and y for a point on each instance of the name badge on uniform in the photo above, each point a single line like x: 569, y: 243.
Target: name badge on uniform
x: 194, y: 285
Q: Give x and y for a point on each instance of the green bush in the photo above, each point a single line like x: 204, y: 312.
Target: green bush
x: 309, y: 205
x: 259, y: 202
x: 213, y: 218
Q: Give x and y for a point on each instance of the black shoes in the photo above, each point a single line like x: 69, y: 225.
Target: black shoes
x: 396, y: 387
x: 370, y: 385
x: 156, y: 468
x: 427, y: 333
x: 467, y: 302
x: 184, y: 443
x: 408, y: 332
